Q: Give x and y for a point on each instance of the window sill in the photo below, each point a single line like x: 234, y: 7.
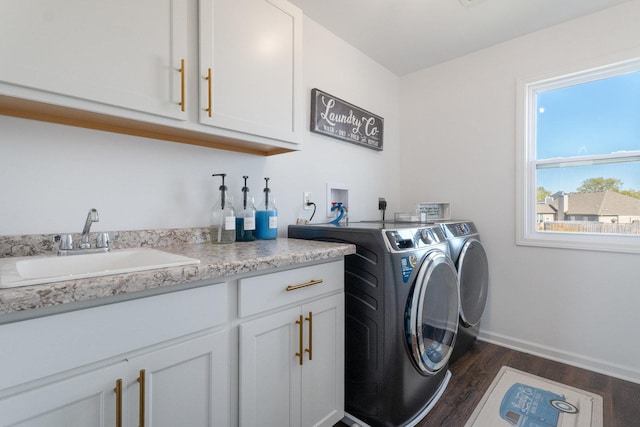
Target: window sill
x: 582, y: 241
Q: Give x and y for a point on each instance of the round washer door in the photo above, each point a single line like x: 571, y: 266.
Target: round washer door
x: 473, y: 276
x: 432, y: 313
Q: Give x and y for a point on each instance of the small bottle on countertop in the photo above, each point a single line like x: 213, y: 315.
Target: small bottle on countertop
x: 246, y: 217
x: 223, y: 216
x: 267, y: 216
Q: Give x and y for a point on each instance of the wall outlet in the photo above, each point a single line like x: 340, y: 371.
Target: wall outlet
x: 306, y: 199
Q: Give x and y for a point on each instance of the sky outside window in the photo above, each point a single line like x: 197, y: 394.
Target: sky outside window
x: 598, y: 117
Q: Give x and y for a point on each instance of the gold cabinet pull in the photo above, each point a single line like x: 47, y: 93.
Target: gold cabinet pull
x: 141, y: 380
x: 300, y: 345
x: 303, y: 285
x: 118, y: 391
x: 209, y: 110
x: 310, y: 348
x: 182, y: 74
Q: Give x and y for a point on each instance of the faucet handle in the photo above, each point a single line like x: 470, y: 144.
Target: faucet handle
x: 65, y: 241
x: 102, y: 240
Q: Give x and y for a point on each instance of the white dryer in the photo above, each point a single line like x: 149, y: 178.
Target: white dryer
x: 471, y: 263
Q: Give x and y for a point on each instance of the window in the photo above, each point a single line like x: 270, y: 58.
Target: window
x: 579, y: 160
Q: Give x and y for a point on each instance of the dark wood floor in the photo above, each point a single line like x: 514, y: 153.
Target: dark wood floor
x: 473, y: 373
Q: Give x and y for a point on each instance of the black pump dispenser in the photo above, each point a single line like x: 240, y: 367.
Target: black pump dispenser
x: 223, y: 221
x: 222, y: 188
x: 246, y: 218
x: 267, y: 216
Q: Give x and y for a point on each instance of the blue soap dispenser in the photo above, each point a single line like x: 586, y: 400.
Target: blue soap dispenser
x: 246, y: 217
x: 267, y: 216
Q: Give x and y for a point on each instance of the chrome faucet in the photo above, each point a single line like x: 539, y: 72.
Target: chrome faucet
x: 92, y: 217
x: 66, y: 245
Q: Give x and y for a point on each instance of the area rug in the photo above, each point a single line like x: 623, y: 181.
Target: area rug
x: 517, y: 398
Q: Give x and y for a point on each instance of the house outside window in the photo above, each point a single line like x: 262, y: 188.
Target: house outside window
x: 578, y: 154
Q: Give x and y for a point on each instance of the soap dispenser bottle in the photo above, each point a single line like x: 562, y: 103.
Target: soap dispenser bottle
x: 246, y: 217
x: 267, y: 216
x: 223, y: 216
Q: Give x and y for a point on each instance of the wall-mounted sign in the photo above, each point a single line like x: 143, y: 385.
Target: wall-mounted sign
x: 334, y: 117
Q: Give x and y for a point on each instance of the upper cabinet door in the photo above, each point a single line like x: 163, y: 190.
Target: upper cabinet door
x: 252, y: 49
x: 118, y: 53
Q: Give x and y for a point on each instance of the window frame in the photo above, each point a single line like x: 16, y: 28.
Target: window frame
x: 527, y: 233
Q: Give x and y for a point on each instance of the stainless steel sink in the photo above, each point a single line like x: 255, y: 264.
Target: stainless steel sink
x: 23, y: 271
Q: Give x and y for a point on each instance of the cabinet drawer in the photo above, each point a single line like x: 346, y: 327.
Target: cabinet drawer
x: 261, y: 293
x: 86, y: 336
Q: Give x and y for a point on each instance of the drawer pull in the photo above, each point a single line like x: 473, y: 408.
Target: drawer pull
x: 304, y: 285
x: 118, y: 391
x: 300, y: 353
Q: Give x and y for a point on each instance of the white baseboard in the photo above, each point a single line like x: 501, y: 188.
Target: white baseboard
x: 596, y: 365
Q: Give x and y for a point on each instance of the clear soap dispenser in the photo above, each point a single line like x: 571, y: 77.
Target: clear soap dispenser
x: 223, y: 216
x: 267, y: 216
x: 246, y: 218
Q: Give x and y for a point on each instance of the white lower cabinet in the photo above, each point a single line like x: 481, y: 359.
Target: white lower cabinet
x: 156, y: 361
x: 323, y: 376
x: 188, y: 358
x: 292, y: 360
x: 79, y: 400
x: 180, y: 385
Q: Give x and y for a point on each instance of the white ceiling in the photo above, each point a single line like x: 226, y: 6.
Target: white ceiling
x: 409, y: 35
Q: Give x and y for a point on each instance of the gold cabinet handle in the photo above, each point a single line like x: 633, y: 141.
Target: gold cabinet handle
x: 182, y: 74
x: 141, y: 380
x: 300, y: 345
x: 310, y: 348
x: 303, y: 285
x: 118, y: 391
x: 209, y: 110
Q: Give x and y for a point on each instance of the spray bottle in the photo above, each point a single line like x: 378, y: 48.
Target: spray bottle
x: 223, y: 217
x: 246, y: 219
x: 267, y: 216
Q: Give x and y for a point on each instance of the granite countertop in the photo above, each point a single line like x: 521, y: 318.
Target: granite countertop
x: 216, y: 262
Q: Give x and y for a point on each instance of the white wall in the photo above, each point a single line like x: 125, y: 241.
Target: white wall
x: 51, y: 175
x: 458, y: 137
x: 576, y: 306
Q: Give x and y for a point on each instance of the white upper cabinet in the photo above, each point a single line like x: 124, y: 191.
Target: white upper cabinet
x: 96, y: 55
x: 141, y: 67
x: 252, y: 49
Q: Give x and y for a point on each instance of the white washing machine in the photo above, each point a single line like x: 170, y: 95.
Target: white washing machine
x: 470, y: 259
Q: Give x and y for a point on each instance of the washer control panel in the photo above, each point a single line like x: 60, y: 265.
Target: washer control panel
x: 459, y: 229
x: 413, y: 238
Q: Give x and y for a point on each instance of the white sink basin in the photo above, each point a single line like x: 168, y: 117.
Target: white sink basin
x: 23, y: 271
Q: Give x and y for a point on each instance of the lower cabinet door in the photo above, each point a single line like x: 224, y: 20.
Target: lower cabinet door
x: 292, y: 366
x: 270, y: 370
x: 323, y: 375
x: 185, y: 384
x: 81, y: 400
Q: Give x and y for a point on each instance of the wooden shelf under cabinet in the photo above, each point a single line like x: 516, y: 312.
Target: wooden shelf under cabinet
x: 26, y: 109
